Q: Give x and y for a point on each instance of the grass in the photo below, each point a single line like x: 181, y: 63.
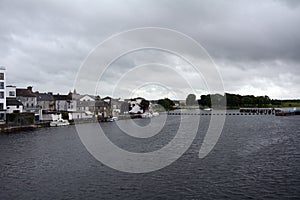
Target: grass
x: 290, y: 104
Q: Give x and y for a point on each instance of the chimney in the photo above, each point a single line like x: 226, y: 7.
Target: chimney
x: 29, y: 88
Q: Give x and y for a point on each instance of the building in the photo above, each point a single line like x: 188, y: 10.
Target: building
x: 2, y: 95
x: 28, y: 99
x: 85, y: 103
x: 11, y: 91
x: 45, y: 101
x: 82, y: 106
x: 102, y: 108
x: 12, y: 104
x: 138, y: 105
x: 115, y: 105
x: 64, y: 103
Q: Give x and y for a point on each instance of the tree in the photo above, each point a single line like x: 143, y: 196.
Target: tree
x: 166, y: 103
x: 247, y: 101
x: 218, y: 100
x: 233, y: 100
x: 260, y: 101
x: 205, y: 100
x: 190, y: 100
x: 267, y: 100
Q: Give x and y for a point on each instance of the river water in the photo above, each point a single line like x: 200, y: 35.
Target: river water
x: 256, y: 157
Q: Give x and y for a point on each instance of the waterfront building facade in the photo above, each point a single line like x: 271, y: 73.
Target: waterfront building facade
x: 65, y: 103
x: 28, y: 99
x: 45, y: 101
x: 12, y: 104
x: 2, y: 95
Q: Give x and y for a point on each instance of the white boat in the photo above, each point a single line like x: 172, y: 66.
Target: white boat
x: 147, y: 115
x: 208, y: 109
x: 60, y: 122
x: 150, y: 114
x: 155, y: 114
x: 112, y: 119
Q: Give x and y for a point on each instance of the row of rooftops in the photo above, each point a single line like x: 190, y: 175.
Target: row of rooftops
x: 27, y: 92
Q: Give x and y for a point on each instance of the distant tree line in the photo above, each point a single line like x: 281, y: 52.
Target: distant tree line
x: 237, y: 101
x: 233, y: 101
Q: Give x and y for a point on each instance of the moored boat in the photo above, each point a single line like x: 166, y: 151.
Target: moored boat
x: 60, y: 122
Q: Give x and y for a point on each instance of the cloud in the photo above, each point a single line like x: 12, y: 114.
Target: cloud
x: 256, y: 44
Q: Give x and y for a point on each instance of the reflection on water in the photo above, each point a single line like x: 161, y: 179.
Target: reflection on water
x: 256, y: 157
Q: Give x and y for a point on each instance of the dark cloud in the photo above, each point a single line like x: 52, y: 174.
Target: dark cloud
x: 256, y: 44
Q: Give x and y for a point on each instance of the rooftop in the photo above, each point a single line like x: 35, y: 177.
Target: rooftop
x: 44, y: 97
x: 25, y: 93
x: 59, y: 97
x: 13, y: 102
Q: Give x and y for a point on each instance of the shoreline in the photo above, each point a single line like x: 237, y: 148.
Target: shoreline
x: 11, y: 129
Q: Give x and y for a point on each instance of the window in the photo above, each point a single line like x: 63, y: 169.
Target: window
x: 1, y: 76
x: 1, y: 85
x: 1, y: 106
x: 1, y: 95
x: 12, y: 93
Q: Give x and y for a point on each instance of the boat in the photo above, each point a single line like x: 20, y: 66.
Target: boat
x: 146, y: 115
x: 112, y: 119
x: 60, y: 122
x: 155, y: 114
x: 150, y: 114
x: 207, y: 109
x: 287, y: 112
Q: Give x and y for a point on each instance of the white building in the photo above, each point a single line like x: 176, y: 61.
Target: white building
x: 2, y: 95
x: 11, y: 91
x: 86, y: 103
x: 65, y: 103
x: 86, y: 98
x: 12, y: 104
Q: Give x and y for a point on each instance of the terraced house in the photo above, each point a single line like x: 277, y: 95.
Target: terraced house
x: 45, y: 101
x: 28, y: 99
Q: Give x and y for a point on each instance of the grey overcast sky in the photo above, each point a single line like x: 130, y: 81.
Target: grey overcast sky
x: 255, y: 44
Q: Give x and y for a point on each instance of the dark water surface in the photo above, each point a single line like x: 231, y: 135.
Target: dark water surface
x: 256, y: 157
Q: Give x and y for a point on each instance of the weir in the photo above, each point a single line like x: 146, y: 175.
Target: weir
x: 242, y: 111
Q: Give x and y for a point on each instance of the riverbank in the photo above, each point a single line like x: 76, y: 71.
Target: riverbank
x: 8, y: 129
x: 15, y: 128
